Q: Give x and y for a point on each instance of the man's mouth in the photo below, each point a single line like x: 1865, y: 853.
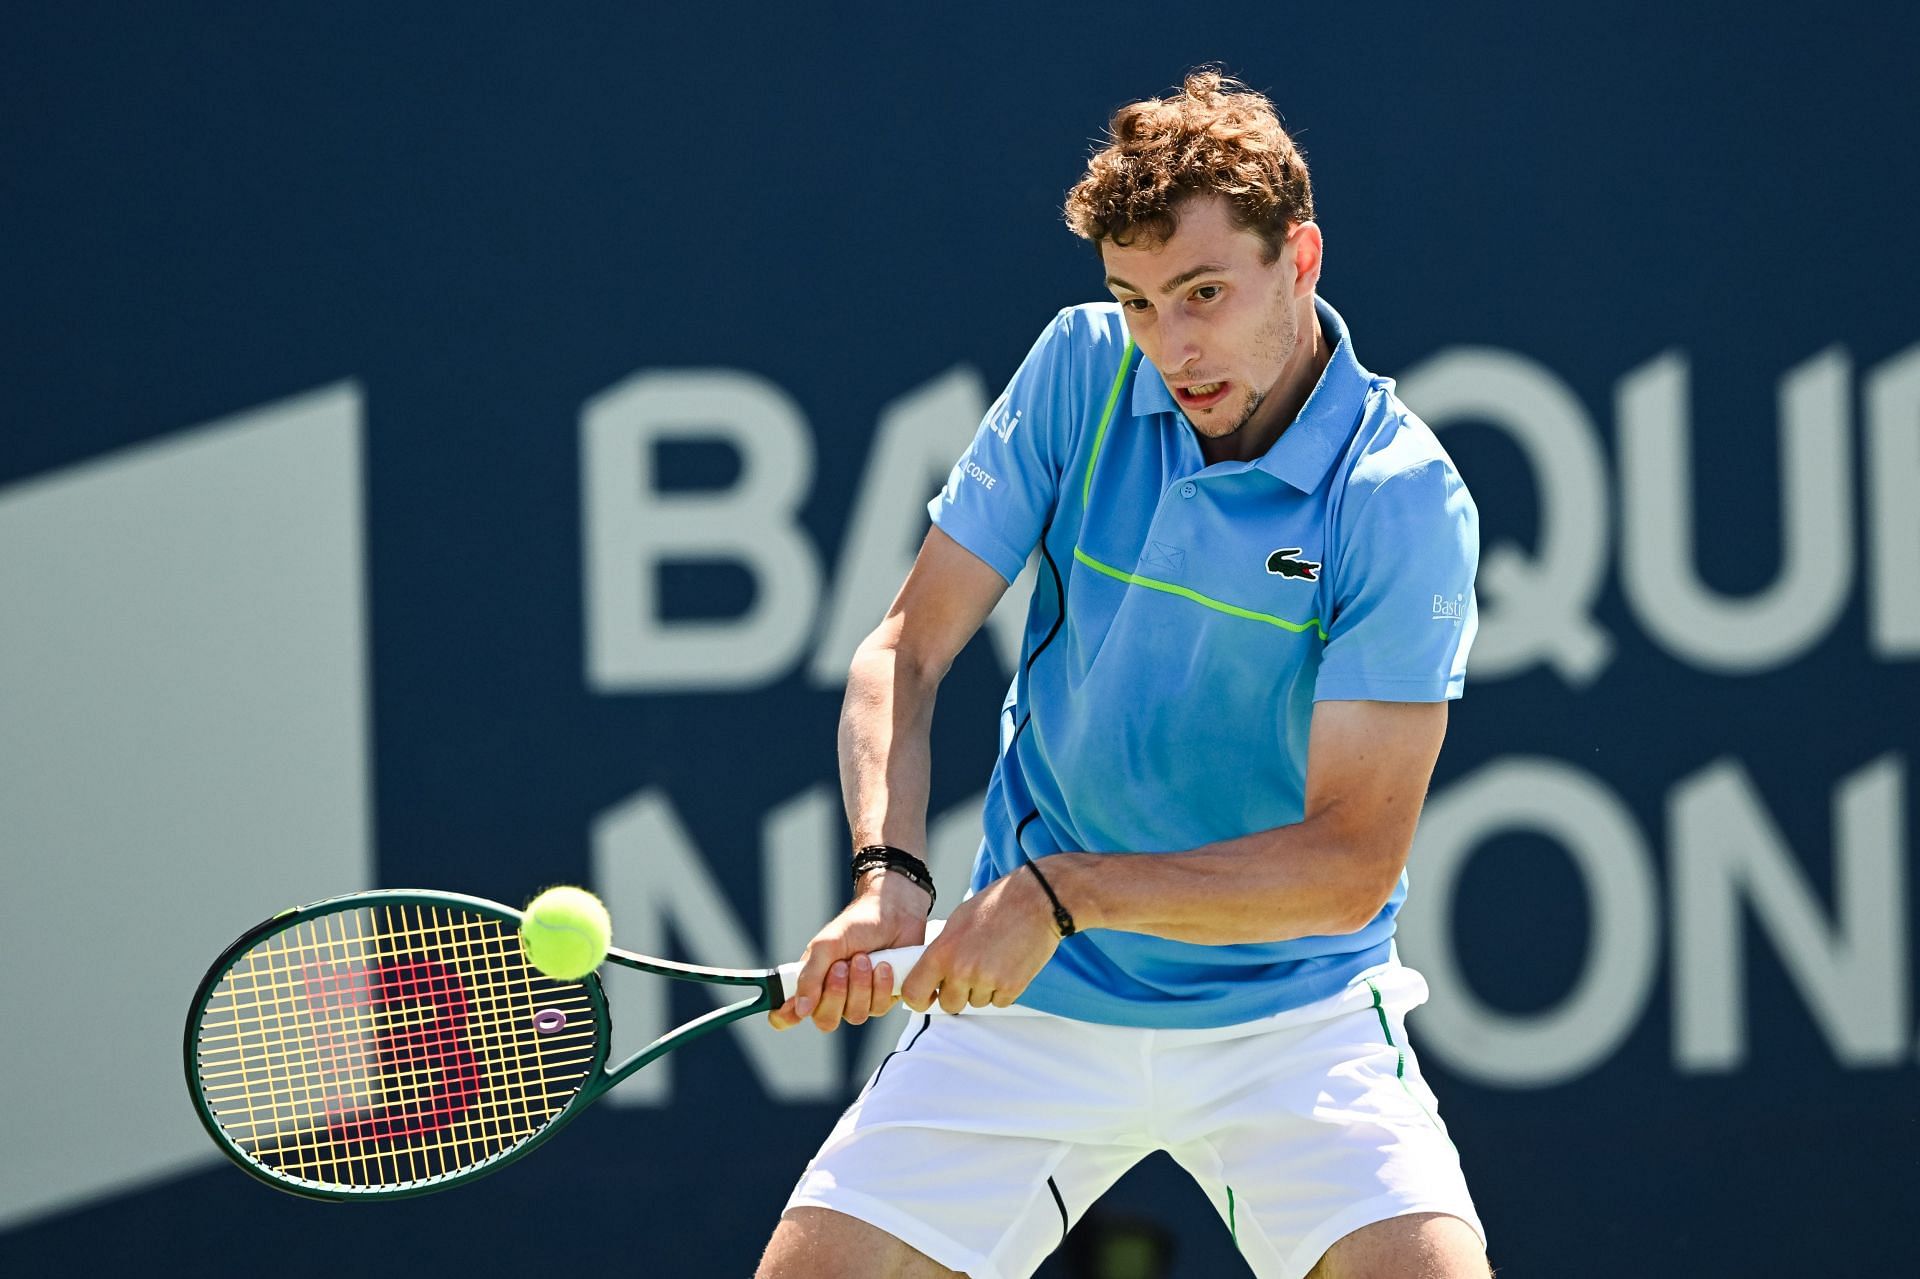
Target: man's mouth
x: 1203, y: 395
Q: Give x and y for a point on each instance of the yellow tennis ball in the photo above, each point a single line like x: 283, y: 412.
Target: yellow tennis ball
x: 566, y: 932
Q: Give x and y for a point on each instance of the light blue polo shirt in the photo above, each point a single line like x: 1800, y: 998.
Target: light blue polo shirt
x: 1186, y: 619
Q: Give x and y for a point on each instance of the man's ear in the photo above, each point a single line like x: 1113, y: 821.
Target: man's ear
x: 1305, y: 245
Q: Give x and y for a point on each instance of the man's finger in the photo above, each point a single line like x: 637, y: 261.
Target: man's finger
x: 812, y: 981
x: 883, y: 997
x: 833, y: 997
x: 953, y: 995
x: 859, y: 991
x: 980, y: 997
x: 921, y: 983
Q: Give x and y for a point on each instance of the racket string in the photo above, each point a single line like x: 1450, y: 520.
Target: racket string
x: 359, y: 1049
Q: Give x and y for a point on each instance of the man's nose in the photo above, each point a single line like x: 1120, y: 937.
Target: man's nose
x: 1180, y: 344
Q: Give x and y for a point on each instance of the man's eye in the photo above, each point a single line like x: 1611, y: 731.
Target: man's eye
x: 1135, y: 304
x: 1207, y: 292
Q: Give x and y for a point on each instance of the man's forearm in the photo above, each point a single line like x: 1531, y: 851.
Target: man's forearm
x: 885, y: 750
x: 1309, y: 879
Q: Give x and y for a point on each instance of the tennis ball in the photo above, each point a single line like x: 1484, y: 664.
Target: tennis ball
x: 566, y: 932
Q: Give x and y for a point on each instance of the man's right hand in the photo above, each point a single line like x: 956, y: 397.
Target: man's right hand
x: 837, y: 981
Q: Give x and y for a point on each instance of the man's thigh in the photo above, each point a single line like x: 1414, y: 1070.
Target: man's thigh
x: 1306, y: 1136
x: 1425, y: 1245
x: 983, y: 1138
x: 810, y: 1242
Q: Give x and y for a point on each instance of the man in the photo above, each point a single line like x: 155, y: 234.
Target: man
x: 1256, y: 602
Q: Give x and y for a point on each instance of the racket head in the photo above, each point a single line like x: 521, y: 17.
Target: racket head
x: 388, y: 1044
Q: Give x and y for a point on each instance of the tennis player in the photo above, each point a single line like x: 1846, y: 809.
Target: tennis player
x: 1255, y: 604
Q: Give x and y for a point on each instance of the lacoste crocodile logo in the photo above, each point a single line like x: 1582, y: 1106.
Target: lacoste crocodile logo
x: 1283, y: 563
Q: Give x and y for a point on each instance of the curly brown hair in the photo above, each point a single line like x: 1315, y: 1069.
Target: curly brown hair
x: 1215, y: 136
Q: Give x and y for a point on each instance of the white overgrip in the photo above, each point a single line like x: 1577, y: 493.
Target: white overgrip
x: 900, y: 959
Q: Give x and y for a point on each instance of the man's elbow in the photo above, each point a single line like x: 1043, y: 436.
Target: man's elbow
x: 1355, y: 919
x: 888, y: 655
x: 1376, y: 873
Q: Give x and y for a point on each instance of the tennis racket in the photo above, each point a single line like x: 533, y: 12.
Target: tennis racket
x: 396, y: 1043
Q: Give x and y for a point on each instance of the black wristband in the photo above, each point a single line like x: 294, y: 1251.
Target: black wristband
x: 887, y: 857
x: 1062, y: 919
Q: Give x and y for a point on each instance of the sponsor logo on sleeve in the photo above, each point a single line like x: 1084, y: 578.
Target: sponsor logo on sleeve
x: 1003, y: 423
x: 978, y: 474
x: 1449, y: 610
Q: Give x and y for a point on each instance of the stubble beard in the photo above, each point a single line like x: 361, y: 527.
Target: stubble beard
x: 1254, y: 401
x: 1280, y: 337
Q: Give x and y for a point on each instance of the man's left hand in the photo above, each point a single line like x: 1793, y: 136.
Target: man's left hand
x: 992, y: 946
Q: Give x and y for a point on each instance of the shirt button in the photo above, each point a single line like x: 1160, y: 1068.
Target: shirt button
x: 1189, y: 489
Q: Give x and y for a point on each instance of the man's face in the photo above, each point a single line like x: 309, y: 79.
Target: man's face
x: 1219, y: 321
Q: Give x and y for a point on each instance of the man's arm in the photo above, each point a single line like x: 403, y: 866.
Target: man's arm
x: 887, y: 717
x: 1368, y: 766
x: 885, y: 763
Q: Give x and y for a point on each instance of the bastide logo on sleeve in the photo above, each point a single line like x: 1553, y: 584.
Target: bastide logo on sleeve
x: 1283, y: 564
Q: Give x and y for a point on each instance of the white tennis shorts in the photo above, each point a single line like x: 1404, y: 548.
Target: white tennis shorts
x: 983, y: 1138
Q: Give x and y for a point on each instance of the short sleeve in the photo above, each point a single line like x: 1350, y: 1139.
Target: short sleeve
x: 1001, y: 493
x: 1403, y: 615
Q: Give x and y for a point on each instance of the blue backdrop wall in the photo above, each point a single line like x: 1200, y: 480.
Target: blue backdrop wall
x: 458, y: 447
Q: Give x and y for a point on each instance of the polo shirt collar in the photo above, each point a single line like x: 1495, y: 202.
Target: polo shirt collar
x: 1306, y: 450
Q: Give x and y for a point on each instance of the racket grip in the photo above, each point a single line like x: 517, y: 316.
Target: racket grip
x: 900, y: 959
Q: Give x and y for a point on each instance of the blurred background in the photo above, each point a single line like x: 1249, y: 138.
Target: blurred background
x: 460, y: 446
